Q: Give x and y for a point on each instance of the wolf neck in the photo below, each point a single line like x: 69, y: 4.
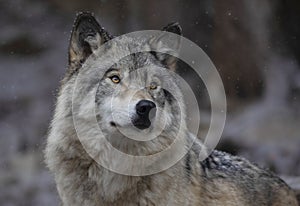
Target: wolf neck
x: 117, y: 187
x: 113, y: 187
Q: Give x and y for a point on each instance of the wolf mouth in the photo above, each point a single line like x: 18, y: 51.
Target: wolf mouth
x: 141, y: 123
x: 113, y: 124
x: 138, y: 123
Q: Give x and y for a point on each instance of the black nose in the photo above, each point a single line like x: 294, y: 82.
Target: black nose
x: 143, y: 109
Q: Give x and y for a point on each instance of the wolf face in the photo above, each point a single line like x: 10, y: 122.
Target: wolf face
x: 138, y: 97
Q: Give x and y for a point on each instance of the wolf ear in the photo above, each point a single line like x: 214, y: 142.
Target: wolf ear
x: 87, y: 35
x: 159, y: 43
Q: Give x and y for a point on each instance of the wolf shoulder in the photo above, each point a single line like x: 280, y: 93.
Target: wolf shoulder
x: 231, y: 180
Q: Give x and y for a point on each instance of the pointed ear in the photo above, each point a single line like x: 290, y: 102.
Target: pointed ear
x: 168, y: 43
x: 87, y: 35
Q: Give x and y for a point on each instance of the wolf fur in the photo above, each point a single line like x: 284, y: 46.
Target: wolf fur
x: 221, y: 179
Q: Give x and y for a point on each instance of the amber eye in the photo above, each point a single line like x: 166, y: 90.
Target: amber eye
x: 153, y: 86
x: 115, y: 79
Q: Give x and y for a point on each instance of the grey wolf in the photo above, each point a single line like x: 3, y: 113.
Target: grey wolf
x: 220, y: 179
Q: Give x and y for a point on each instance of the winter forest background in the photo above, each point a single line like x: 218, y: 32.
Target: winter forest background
x: 255, y: 45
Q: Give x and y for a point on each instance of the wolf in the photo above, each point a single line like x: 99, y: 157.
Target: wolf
x: 143, y: 101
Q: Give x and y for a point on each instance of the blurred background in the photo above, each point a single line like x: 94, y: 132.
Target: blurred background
x: 255, y: 46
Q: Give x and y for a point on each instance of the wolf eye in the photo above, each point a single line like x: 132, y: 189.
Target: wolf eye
x: 153, y: 86
x: 115, y: 79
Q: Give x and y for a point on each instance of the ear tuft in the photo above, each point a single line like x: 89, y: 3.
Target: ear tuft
x: 168, y: 44
x: 87, y: 35
x: 173, y: 28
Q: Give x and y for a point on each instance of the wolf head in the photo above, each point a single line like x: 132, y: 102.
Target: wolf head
x: 135, y: 99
